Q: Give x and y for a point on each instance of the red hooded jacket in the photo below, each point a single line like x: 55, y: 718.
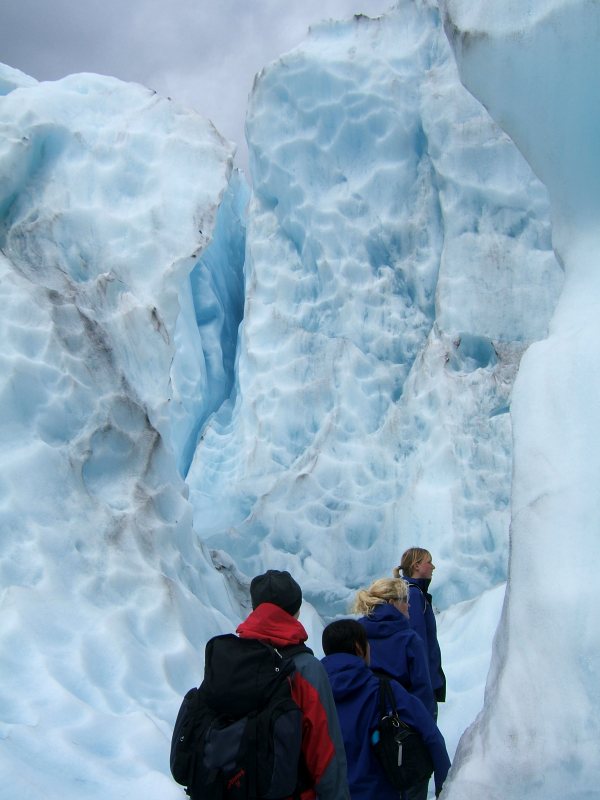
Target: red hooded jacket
x: 322, y: 743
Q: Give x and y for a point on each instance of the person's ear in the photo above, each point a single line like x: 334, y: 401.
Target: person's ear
x: 358, y: 650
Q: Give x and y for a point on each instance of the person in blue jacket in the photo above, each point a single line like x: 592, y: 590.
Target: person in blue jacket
x: 356, y: 693
x: 395, y: 647
x: 417, y: 568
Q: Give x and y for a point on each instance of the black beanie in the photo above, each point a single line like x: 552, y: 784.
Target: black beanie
x: 278, y: 588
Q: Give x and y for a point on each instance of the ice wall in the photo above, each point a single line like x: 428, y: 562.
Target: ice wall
x: 398, y: 264
x: 536, y: 65
x: 109, y: 231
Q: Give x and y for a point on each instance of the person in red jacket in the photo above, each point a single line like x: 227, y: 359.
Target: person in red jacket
x: 276, y: 600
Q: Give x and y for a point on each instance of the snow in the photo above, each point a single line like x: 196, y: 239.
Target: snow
x: 538, y: 734
x: 466, y: 632
x: 371, y: 349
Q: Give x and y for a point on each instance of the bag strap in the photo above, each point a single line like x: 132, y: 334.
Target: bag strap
x: 386, y: 697
x: 291, y: 650
x: 252, y: 767
x: 426, y: 597
x: 251, y: 752
x: 387, y: 700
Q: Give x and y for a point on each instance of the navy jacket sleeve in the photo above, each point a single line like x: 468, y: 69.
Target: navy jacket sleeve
x: 419, y: 673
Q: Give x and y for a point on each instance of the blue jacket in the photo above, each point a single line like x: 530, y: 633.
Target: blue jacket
x: 422, y: 620
x: 356, y: 694
x: 397, y: 650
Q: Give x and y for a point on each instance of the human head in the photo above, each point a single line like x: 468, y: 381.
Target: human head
x: 411, y: 558
x: 345, y: 636
x: 383, y: 590
x: 277, y: 587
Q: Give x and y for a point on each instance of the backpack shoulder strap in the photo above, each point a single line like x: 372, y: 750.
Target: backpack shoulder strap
x: 291, y: 650
x: 425, y: 596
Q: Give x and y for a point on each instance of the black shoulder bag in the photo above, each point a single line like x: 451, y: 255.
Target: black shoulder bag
x: 400, y: 749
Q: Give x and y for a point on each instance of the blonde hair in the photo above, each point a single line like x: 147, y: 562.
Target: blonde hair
x: 379, y: 592
x: 410, y: 559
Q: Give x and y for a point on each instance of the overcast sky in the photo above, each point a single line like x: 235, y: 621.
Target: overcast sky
x: 203, y: 53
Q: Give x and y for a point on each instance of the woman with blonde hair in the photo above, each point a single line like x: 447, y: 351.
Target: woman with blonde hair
x: 416, y: 567
x: 396, y: 649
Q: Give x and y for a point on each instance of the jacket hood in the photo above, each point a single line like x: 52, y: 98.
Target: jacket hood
x: 270, y: 623
x: 384, y: 621
x: 347, y: 674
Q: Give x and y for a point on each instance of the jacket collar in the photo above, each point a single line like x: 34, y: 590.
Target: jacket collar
x: 422, y: 583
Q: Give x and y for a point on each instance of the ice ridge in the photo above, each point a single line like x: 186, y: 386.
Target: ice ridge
x: 398, y: 263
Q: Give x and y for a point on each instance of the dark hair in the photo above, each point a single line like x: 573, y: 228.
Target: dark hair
x: 342, y: 636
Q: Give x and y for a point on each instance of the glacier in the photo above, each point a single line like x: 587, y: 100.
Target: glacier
x: 537, y: 735
x: 383, y: 341
x: 111, y: 354
x: 380, y: 186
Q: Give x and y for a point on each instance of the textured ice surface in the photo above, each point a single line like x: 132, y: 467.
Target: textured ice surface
x: 398, y: 263
x: 108, y: 197
x: 538, y: 734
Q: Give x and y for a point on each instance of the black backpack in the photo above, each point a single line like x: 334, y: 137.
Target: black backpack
x: 239, y: 735
x: 400, y: 749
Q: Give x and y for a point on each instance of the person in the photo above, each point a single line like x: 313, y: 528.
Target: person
x: 395, y: 647
x: 356, y: 693
x: 276, y: 600
x: 417, y: 568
